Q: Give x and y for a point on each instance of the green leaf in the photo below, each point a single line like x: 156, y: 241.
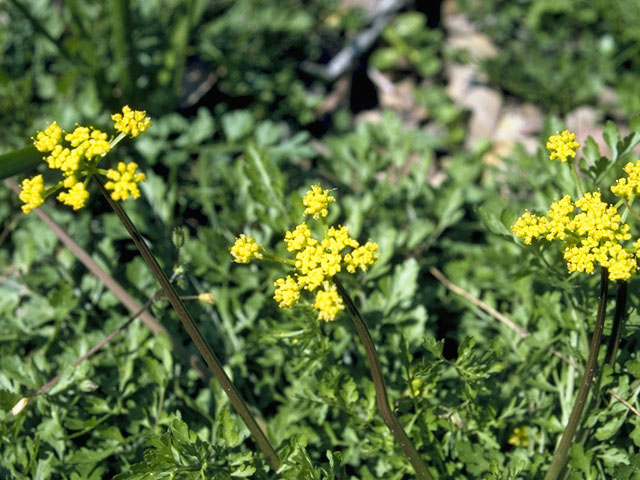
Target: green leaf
x: 493, y: 223
x: 229, y: 430
x: 591, y: 151
x: 434, y: 346
x: 24, y: 160
x: 156, y: 371
x: 633, y: 366
x: 237, y: 124
x: 611, y: 428
x: 266, y: 178
x: 579, y: 459
x: 403, y: 284
x: 612, y: 137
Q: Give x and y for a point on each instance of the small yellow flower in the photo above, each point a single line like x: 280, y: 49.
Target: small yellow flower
x: 529, y: 226
x: 31, y: 193
x: 625, y: 187
x: 245, y: 248
x: 287, y: 291
x: 47, y: 140
x: 339, y: 239
x: 559, y: 221
x: 75, y: 197
x: 520, y: 437
x: 316, y: 200
x: 131, y: 122
x: 125, y: 181
x: 299, y: 238
x: 362, y: 257
x: 562, y: 145
x: 329, y: 302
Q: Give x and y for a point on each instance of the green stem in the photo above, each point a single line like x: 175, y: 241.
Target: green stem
x: 194, y: 332
x: 576, y: 178
x: 560, y: 456
x: 618, y: 322
x: 629, y: 210
x: 612, y: 349
x: 382, y: 399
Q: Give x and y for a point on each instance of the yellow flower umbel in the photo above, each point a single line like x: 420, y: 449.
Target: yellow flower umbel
x: 562, y: 145
x: 131, y: 122
x: 124, y: 181
x: 520, y: 437
x: 245, y: 248
x: 76, y: 155
x: 591, y: 236
x: 75, y: 197
x: 626, y: 187
x: 316, y: 261
x: 317, y: 200
x: 31, y: 193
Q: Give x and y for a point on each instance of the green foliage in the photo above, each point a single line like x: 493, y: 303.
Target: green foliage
x: 460, y: 381
x: 561, y: 54
x: 410, y: 40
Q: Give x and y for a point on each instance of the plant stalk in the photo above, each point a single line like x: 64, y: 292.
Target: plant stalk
x: 618, y: 323
x: 612, y: 350
x: 194, y: 332
x: 560, y: 457
x: 382, y: 399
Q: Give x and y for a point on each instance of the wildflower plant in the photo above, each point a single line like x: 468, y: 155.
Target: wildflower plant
x: 316, y: 265
x: 316, y: 261
x: 77, y: 156
x: 593, y: 231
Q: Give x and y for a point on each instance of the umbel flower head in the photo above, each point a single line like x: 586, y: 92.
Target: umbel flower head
x: 562, y: 145
x: 591, y: 230
x: 76, y: 155
x: 316, y: 260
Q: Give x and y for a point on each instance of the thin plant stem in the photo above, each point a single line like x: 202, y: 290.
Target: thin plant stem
x: 618, y: 323
x: 612, y: 349
x: 382, y: 399
x: 576, y: 178
x: 560, y: 457
x: 194, y: 332
x: 629, y: 210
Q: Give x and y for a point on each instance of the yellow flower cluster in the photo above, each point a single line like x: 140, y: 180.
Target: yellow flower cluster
x: 316, y: 261
x: 76, y: 155
x: 328, y: 302
x: 31, y: 193
x: 562, y: 145
x: 591, y: 236
x: 316, y: 200
x: 124, y: 181
x: 245, y: 248
x: 520, y: 437
x: 626, y: 187
x: 75, y: 197
x: 131, y: 122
